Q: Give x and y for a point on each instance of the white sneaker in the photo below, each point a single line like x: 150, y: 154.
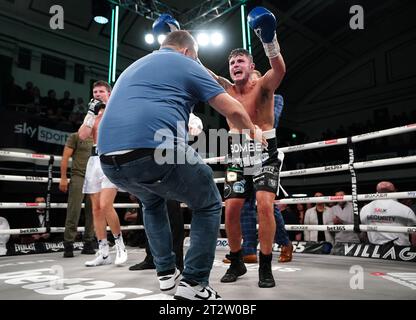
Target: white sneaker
x: 192, y: 290
x: 99, y: 260
x: 121, y: 253
x: 168, y: 282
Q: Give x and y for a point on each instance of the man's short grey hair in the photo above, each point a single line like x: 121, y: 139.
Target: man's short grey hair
x: 180, y: 39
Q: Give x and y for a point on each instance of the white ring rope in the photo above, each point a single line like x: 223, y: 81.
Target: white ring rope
x: 27, y: 178
x: 336, y: 142
x: 361, y: 197
x: 283, y: 174
x: 308, y: 146
x: 294, y: 227
x: 316, y: 170
x: 354, y: 139
x: 35, y: 205
x: 36, y: 156
x: 344, y: 167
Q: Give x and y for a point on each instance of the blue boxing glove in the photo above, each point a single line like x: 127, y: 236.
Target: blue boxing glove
x: 264, y: 23
x: 165, y: 24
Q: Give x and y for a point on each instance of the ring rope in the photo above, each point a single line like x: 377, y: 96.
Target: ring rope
x: 313, y: 145
x: 283, y: 174
x: 326, y: 169
x: 294, y: 227
x: 361, y: 197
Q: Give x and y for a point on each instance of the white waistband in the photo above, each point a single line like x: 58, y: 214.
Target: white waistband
x: 118, y: 152
x: 269, y: 134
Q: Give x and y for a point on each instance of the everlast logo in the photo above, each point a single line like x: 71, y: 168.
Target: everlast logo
x: 78, y: 245
x: 24, y: 248
x: 334, y: 167
x: 353, y: 180
x: 54, y: 246
x: 336, y: 228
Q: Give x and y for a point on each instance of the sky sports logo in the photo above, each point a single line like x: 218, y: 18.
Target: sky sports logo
x: 43, y: 134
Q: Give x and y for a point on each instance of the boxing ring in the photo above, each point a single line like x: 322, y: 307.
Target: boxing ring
x: 307, y: 277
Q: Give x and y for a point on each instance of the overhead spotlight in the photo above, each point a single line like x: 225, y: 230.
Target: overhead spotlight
x: 101, y: 11
x: 217, y: 39
x: 161, y: 38
x: 203, y: 39
x: 149, y: 38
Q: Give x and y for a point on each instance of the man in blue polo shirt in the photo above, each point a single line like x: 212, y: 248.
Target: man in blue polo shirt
x: 146, y: 122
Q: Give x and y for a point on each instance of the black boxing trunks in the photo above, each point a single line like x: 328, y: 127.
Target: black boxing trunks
x: 250, y: 168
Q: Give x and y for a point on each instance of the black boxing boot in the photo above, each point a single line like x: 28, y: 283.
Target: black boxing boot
x: 68, y: 249
x: 266, y: 279
x: 237, y: 267
x: 88, y: 248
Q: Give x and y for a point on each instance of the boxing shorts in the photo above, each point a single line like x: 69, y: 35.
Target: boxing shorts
x: 251, y: 167
x: 95, y: 179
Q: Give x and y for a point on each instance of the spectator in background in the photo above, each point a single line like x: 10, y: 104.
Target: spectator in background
x: 343, y: 214
x: 28, y: 93
x: 4, y: 238
x: 388, y: 212
x: 51, y: 103
x: 66, y: 103
x: 78, y: 112
x: 37, y: 102
x: 11, y: 92
x: 410, y: 202
x: 38, y: 222
x: 290, y: 217
x: 80, y: 108
x: 301, y: 210
x: 318, y: 215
